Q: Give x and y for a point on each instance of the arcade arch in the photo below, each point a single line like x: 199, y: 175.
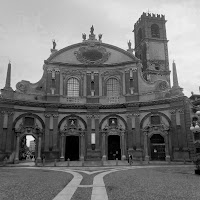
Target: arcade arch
x: 113, y: 137
x: 28, y: 124
x: 157, y: 141
x: 72, y: 130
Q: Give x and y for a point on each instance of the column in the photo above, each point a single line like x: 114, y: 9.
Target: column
x: 47, y: 123
x: 174, y: 129
x: 89, y: 127
x: 104, y: 146
x: 96, y: 83
x: 55, y: 132
x: 17, y: 148
x: 137, y: 131
x: 39, y: 146
x: 49, y: 80
x: 123, y: 147
x: 167, y: 156
x: 88, y: 80
x: 135, y: 79
x: 57, y: 71
x: 1, y: 129
x: 130, y: 132
x: 82, y: 147
x: 62, y: 158
x: 9, y: 132
x: 96, y: 117
x: 146, y: 154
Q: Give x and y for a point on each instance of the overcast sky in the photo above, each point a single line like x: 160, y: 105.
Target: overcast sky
x: 27, y: 28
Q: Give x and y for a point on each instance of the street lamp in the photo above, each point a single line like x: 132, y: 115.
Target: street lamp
x: 195, y: 128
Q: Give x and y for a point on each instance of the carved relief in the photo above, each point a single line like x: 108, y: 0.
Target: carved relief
x: 162, y: 85
x: 92, y: 54
x: 156, y: 65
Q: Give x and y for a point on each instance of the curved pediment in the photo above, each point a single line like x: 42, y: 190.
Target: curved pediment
x: 92, y: 53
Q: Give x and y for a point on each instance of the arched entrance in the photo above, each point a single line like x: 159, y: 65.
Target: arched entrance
x: 157, y: 145
x: 114, y: 150
x: 72, y: 148
x: 28, y: 148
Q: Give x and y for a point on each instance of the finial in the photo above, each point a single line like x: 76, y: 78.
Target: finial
x: 129, y: 45
x: 92, y: 30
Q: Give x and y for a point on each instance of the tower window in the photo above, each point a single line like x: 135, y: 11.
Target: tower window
x: 73, y: 87
x: 155, y: 31
x: 113, y: 87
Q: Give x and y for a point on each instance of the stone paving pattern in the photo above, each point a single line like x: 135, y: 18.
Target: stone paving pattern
x: 100, y: 183
x: 31, y: 184
x: 164, y: 183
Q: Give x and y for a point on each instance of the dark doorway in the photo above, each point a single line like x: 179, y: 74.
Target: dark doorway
x: 114, y: 150
x: 72, y: 148
x: 157, y: 147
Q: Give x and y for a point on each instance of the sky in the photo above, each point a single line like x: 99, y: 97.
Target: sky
x: 27, y: 28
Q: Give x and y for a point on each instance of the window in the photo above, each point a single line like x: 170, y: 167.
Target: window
x: 198, y: 150
x: 113, y: 88
x: 157, y: 139
x: 155, y: 120
x: 29, y: 121
x: 73, y: 87
x: 197, y: 136
x: 112, y: 122
x: 155, y: 32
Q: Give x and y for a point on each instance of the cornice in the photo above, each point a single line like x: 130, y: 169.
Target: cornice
x: 88, y: 106
x: 91, y: 65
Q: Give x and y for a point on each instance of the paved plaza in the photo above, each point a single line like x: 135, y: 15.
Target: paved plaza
x: 100, y: 183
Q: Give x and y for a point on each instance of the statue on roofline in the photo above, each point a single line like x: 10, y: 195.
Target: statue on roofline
x: 54, y: 44
x: 84, y: 36
x: 92, y: 30
x: 100, y: 36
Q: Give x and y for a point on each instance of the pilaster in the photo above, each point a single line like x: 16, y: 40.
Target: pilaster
x: 130, y: 132
x: 9, y: 132
x: 89, y: 130
x: 174, y: 135
x: 96, y: 117
x: 55, y: 132
x: 183, y: 130
x: 49, y: 76
x: 57, y: 71
x: 137, y: 131
x: 1, y: 129
x: 47, y: 124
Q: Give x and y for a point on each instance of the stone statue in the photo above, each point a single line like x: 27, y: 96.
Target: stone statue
x: 54, y: 44
x: 84, y: 36
x: 100, y: 36
x: 92, y: 30
x: 129, y: 44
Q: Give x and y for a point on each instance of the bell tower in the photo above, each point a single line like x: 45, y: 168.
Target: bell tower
x: 151, y: 46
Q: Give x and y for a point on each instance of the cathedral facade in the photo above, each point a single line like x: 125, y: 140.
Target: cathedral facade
x: 96, y: 101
